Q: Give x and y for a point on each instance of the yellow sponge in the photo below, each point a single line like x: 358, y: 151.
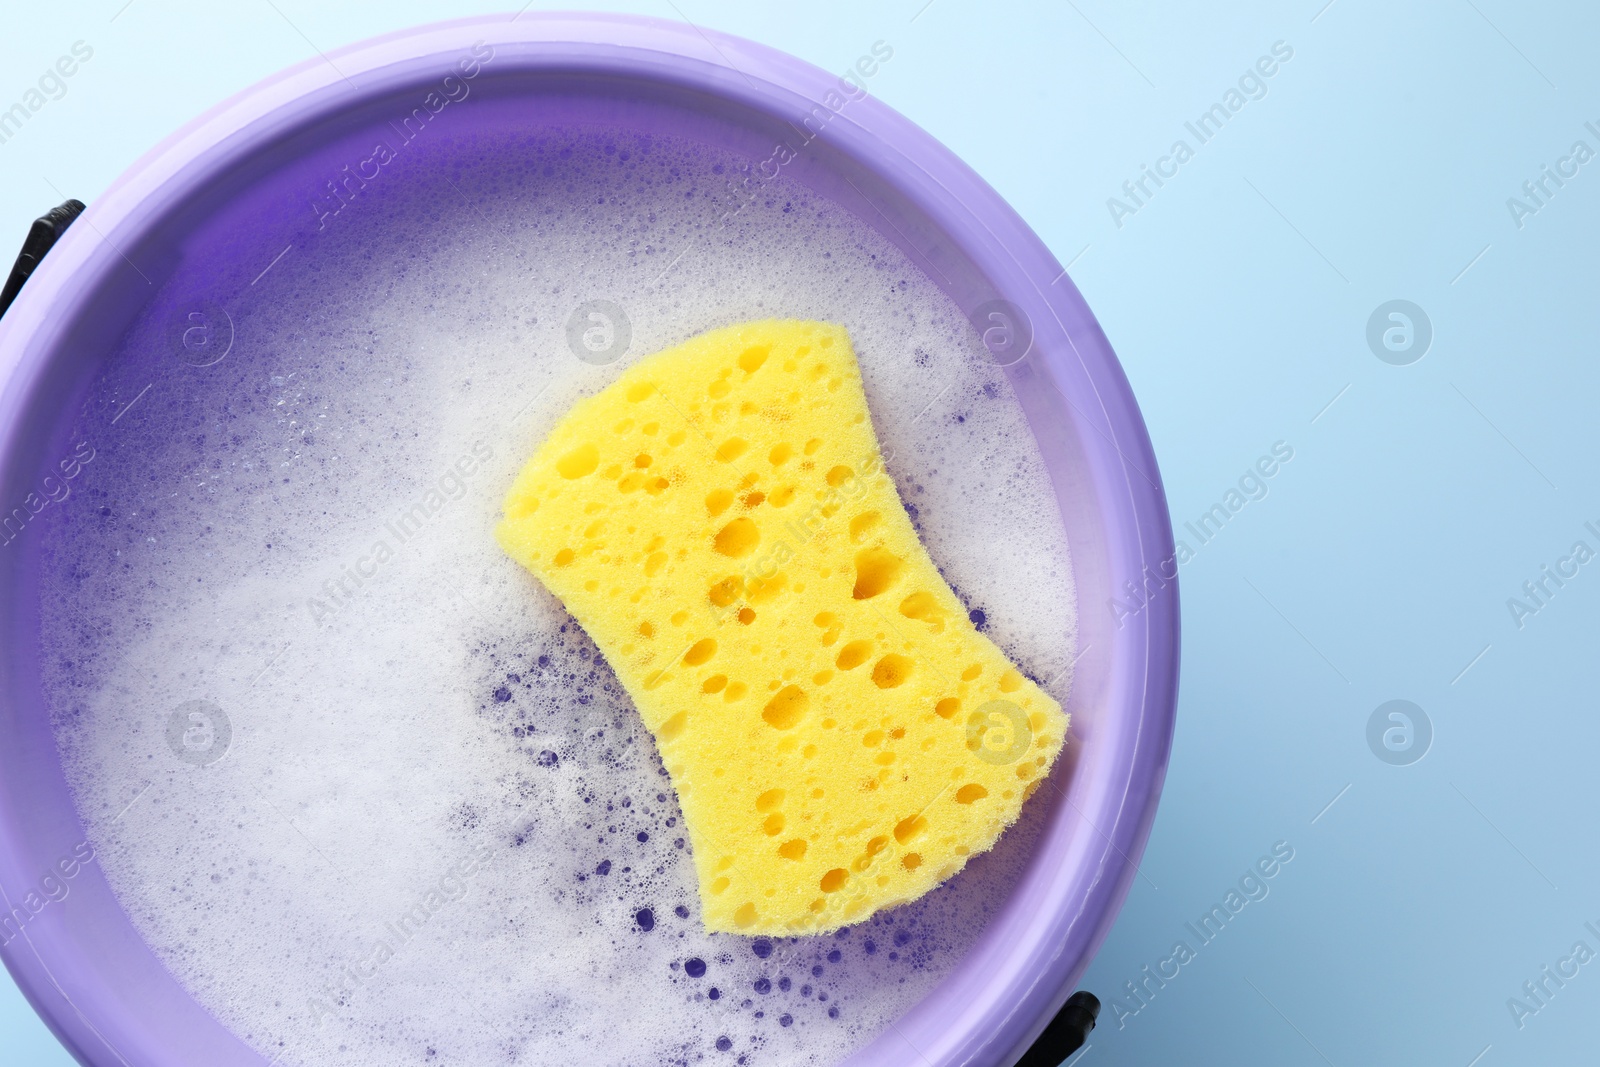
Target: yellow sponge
x: 840, y: 737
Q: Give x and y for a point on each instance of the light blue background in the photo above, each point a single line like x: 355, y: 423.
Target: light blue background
x: 1377, y: 166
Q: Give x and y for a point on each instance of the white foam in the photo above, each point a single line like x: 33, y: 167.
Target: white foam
x: 447, y: 710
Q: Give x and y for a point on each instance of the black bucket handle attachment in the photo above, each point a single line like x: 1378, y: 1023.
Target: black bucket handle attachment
x: 46, y: 231
x: 1066, y: 1033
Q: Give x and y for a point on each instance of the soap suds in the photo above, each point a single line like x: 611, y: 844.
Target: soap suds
x: 440, y: 833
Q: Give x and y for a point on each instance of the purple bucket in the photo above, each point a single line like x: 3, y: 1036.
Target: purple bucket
x: 79, y: 960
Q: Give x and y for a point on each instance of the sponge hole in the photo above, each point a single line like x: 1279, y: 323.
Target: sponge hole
x: 907, y: 830
x: 700, y: 651
x: 725, y: 592
x: 673, y: 726
x: 853, y: 655
x: 876, y: 570
x: 737, y: 539
x: 862, y: 525
x: 764, y: 592
x: 751, y: 359
x: 891, y: 671
x: 579, y: 462
x: 924, y: 607
x: 970, y: 793
x: 785, y: 710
